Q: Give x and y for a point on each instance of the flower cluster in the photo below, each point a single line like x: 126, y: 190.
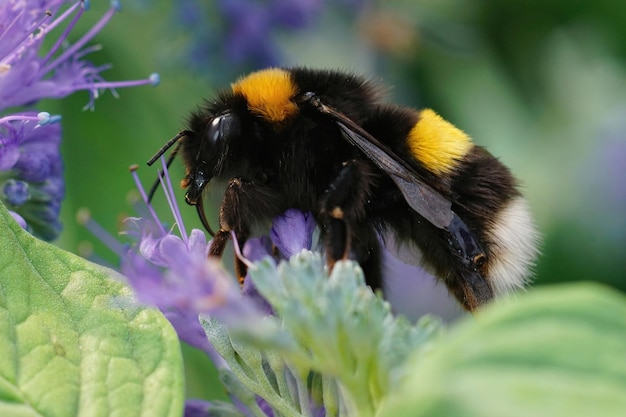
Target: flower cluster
x: 173, y: 272
x: 31, y: 182
x: 31, y: 173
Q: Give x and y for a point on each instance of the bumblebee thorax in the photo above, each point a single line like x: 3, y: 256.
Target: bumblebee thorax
x: 269, y: 94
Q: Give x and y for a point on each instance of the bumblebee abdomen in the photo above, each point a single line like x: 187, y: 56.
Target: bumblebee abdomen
x: 514, y: 246
x: 436, y: 143
x: 432, y: 145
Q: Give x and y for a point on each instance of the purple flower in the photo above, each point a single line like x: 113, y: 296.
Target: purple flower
x: 197, y: 408
x: 16, y: 192
x: 292, y: 232
x: 174, y: 273
x: 26, y: 76
x: 19, y: 219
x: 31, y: 182
x: 254, y: 250
x: 31, y: 172
x: 247, y: 38
x: 265, y: 407
x: 241, y: 35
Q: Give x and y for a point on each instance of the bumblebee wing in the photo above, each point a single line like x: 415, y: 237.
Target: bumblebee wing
x: 431, y: 205
x: 425, y: 200
x: 420, y: 196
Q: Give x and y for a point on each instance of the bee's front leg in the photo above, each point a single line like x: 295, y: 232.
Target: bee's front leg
x: 230, y: 219
x: 244, y: 203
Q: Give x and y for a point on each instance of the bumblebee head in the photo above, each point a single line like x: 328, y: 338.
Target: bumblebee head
x: 226, y: 137
x: 205, y: 152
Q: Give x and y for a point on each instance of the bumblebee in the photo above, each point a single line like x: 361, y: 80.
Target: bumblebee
x: 371, y: 172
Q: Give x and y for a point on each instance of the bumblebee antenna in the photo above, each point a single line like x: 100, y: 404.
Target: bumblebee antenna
x: 168, y: 145
x: 160, y: 152
x: 160, y: 175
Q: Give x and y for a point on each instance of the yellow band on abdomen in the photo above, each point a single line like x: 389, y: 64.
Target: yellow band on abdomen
x: 436, y: 143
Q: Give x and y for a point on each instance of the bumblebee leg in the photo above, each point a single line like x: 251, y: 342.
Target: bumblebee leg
x: 366, y: 249
x: 244, y: 201
x: 231, y: 218
x: 343, y: 208
x: 470, y: 287
x: 337, y: 238
x: 219, y: 243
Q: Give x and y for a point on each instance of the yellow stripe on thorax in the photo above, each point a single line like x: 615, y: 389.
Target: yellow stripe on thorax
x: 436, y: 143
x: 268, y: 93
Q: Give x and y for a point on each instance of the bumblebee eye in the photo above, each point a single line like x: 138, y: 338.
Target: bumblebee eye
x: 214, y: 129
x: 222, y: 127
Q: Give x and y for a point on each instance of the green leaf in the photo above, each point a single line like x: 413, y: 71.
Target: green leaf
x: 558, y: 351
x: 71, y: 341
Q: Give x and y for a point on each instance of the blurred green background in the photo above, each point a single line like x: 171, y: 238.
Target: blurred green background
x: 541, y: 84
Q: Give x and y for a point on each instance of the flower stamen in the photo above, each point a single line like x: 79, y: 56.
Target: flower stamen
x: 153, y: 80
x: 166, y: 183
x: 144, y: 197
x: 81, y: 42
x: 28, y: 39
x: 83, y: 217
x: 65, y: 33
x: 42, y: 118
x: 238, y: 253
